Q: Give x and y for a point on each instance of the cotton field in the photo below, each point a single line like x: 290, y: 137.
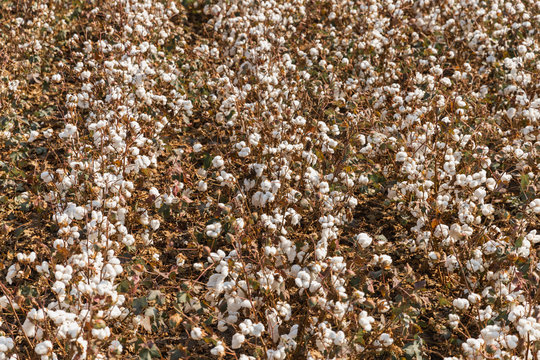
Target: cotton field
x: 270, y: 179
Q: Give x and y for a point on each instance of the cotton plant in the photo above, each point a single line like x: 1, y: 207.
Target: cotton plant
x: 108, y: 148
x: 288, y: 123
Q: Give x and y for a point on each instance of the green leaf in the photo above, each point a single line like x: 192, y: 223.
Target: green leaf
x: 207, y: 161
x: 182, y: 297
x: 124, y: 286
x: 178, y: 354
x: 524, y: 182
x: 443, y: 301
x: 145, y: 354
x: 149, y: 353
x: 140, y: 304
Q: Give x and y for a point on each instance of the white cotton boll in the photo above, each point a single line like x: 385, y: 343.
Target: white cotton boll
x: 385, y: 339
x: 48, y: 133
x: 60, y: 289
x: 202, y: 186
x: 401, y: 156
x: 46, y: 177
x: 128, y: 240
x: 487, y: 209
x: 154, y: 224
x: 244, y: 152
x: 116, y: 347
x: 144, y: 219
x: 365, y: 321
x: 218, y: 350
x: 461, y: 304
x: 474, y: 298
x: 506, y: 177
x: 213, y: 230
x: 44, y: 348
x: 270, y: 250
x: 33, y: 136
x: 196, y: 333
x: 302, y: 279
x: 29, y: 328
x: 535, y: 206
x: 490, y: 333
x: 246, y: 326
x: 4, y: 302
x: 69, y: 329
x: 68, y: 131
x: 385, y: 260
x: 324, y: 187
x: 363, y: 180
x: 446, y: 81
x: 257, y: 329
x: 101, y: 334
x: 6, y: 344
x: 363, y: 240
x: 222, y: 326
x: 36, y: 315
x: 340, y: 338
x: 512, y: 341
x: 197, y: 147
x: 453, y: 320
x: 218, y: 162
x: 511, y: 112
x: 237, y: 340
x: 154, y: 192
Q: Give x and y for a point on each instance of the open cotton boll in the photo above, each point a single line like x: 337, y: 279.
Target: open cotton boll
x: 218, y: 350
x: 29, y: 328
x: 461, y: 304
x: 6, y: 344
x: 44, y: 348
x: 363, y: 240
x: 218, y: 162
x: 196, y: 333
x: 385, y: 339
x: 116, y: 347
x: 237, y: 340
x: 213, y: 230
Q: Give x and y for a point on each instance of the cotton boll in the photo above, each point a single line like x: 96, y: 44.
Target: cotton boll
x: 385, y: 260
x: 244, y: 152
x: 196, y: 333
x: 202, y: 186
x: 365, y: 321
x: 218, y: 162
x: 29, y: 328
x: 535, y: 206
x: 102, y: 333
x: 461, y: 304
x: 154, y: 224
x: 512, y: 341
x: 197, y: 147
x: 6, y: 344
x: 33, y: 136
x: 213, y: 230
x: 218, y: 350
x: 116, y: 347
x: 385, y: 339
x: 453, y: 320
x: 401, y: 156
x: 46, y: 177
x: 44, y: 348
x: 257, y: 329
x: 237, y: 340
x: 363, y: 240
